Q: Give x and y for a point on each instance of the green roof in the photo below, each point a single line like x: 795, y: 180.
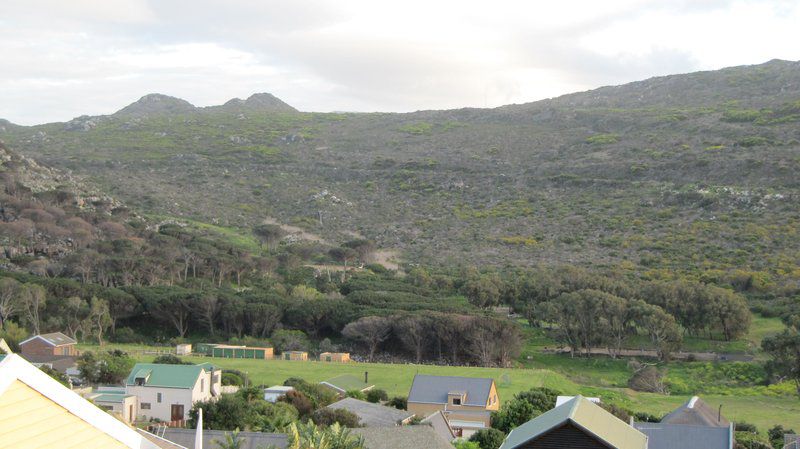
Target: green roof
x: 169, y: 376
x: 111, y: 397
x: 585, y: 415
x: 347, y: 382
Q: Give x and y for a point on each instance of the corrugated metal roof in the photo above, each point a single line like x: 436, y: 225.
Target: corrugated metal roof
x: 585, y: 415
x: 403, y: 437
x: 171, y: 376
x: 681, y: 436
x: 434, y: 389
x: 211, y: 438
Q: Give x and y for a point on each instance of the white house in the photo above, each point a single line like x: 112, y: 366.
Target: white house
x: 272, y: 394
x: 167, y: 392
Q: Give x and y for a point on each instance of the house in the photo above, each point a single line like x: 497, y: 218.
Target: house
x: 693, y: 425
x: 440, y: 424
x: 373, y: 415
x: 686, y: 436
x: 167, y: 392
x: 696, y: 412
x: 402, y: 437
x: 791, y: 441
x: 36, y: 411
x: 49, y: 345
x: 467, y: 402
x: 577, y: 423
x: 211, y: 438
x: 294, y: 355
x: 65, y: 364
x: 272, y: 394
x: 116, y: 401
x: 183, y: 349
x: 346, y: 382
x: 339, y: 357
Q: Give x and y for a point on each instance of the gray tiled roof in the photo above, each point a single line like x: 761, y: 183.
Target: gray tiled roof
x: 372, y: 415
x: 55, y: 339
x: 403, y: 437
x: 251, y: 440
x: 434, y: 389
x: 682, y: 436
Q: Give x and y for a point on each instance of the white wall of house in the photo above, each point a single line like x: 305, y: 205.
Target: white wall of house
x: 148, y: 395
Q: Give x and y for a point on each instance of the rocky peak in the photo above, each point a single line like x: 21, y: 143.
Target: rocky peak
x: 156, y: 104
x: 262, y: 102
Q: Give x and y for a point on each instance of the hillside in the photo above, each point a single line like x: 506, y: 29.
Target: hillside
x: 692, y: 173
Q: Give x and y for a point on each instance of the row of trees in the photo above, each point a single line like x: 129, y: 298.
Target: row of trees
x: 460, y: 339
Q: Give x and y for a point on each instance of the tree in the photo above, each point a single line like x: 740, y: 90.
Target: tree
x: 34, y: 298
x: 343, y: 255
x: 661, y: 328
x: 110, y: 367
x: 398, y: 402
x: 268, y: 234
x: 647, y: 378
x: 290, y: 340
x: 483, y: 290
x: 488, y: 438
x: 369, y: 330
x: 733, y: 315
x: 100, y: 318
x: 170, y: 359
x: 513, y: 414
x: 10, y: 302
x: 207, y: 309
x: 263, y: 318
x: 364, y: 249
x: 414, y: 331
x: 784, y: 350
x: 232, y: 440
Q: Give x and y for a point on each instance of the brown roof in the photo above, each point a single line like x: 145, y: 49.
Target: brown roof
x: 696, y: 412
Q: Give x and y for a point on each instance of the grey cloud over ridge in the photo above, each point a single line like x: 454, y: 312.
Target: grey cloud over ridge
x: 63, y: 59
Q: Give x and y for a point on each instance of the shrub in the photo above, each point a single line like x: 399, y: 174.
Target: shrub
x: 234, y: 379
x: 488, y: 438
x: 377, y: 395
x: 327, y: 417
x: 170, y: 359
x: 355, y: 394
x: 299, y: 401
x: 398, y: 402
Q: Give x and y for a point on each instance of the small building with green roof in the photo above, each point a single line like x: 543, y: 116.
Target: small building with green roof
x: 576, y: 423
x: 116, y: 401
x: 167, y: 392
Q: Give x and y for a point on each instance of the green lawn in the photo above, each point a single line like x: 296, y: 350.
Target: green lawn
x: 597, y: 377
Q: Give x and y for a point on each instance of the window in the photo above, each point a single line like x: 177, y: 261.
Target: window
x: 158, y: 397
x: 139, y: 381
x: 144, y: 406
x: 107, y: 408
x: 456, y: 401
x: 202, y: 385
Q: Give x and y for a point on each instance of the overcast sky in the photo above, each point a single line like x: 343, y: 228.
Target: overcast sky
x: 61, y: 59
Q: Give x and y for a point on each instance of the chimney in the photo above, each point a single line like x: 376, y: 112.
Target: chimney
x: 366, y: 377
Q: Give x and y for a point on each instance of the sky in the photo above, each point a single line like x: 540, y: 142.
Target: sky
x: 62, y: 59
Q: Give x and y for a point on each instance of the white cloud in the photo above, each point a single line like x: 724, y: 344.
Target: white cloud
x: 63, y: 59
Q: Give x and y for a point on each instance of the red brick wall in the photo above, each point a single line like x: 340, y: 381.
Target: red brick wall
x: 37, y: 346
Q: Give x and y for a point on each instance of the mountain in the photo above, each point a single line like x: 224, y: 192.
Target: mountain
x: 694, y: 173
x: 262, y: 102
x: 156, y: 104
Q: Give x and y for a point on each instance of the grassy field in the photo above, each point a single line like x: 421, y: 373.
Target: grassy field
x: 761, y: 406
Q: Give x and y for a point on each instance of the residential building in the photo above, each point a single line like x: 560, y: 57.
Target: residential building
x: 577, y: 423
x: 54, y: 344
x: 339, y: 357
x: 686, y: 436
x: 36, y: 411
x: 167, y: 392
x: 440, y: 424
x: 402, y: 437
x: 294, y: 355
x: 373, y: 415
x: 791, y: 441
x: 65, y: 364
x: 467, y: 402
x: 272, y: 394
x: 696, y: 412
x: 693, y: 425
x: 346, y: 382
x: 115, y: 400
